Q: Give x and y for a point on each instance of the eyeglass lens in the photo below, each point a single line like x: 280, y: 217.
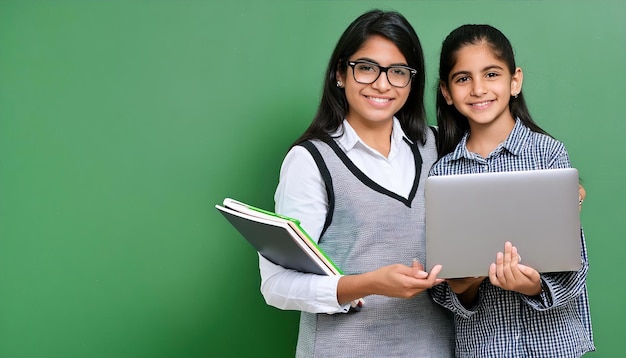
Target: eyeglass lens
x: 366, y: 73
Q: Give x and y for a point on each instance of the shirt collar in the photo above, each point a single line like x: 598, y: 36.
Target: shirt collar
x: 348, y: 137
x: 514, y: 143
x: 518, y: 138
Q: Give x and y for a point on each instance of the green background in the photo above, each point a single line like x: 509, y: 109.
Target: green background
x: 122, y: 123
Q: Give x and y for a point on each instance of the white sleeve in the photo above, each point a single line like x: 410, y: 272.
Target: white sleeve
x: 300, y: 194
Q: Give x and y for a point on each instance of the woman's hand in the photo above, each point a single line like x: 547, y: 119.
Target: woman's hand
x: 405, y: 282
x: 396, y: 280
x: 508, y: 274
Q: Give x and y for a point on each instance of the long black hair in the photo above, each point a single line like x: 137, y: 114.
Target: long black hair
x: 452, y: 124
x: 333, y: 106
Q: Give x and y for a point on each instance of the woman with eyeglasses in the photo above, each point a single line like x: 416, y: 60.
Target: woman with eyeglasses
x: 355, y: 181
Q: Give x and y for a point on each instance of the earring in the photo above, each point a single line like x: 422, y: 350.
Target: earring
x: 515, y: 95
x: 339, y: 84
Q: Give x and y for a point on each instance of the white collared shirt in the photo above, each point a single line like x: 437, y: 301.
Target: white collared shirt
x: 301, y: 194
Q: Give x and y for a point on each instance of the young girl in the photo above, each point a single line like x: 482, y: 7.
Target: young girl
x: 485, y: 127
x: 355, y: 180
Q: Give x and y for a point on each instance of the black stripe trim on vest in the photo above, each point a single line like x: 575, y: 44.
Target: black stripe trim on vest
x: 435, y: 131
x: 372, y: 184
x: 418, y: 169
x: 328, y: 182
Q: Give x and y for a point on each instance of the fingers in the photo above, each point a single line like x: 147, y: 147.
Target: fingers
x: 500, y: 266
x: 581, y: 196
x: 411, y: 281
x: 493, y: 276
x: 432, y: 276
x: 496, y: 271
x: 514, y: 262
x: 417, y: 264
x: 529, y: 272
x: 403, y: 281
x: 425, y: 279
x: 505, y: 271
x: 582, y: 193
x: 418, y: 270
x: 508, y: 274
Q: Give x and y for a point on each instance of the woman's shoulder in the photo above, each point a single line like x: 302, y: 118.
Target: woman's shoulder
x: 297, y: 159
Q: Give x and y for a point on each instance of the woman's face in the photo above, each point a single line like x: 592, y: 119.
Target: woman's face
x: 375, y: 103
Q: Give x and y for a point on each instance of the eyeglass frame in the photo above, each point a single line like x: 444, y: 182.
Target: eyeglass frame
x: 381, y: 69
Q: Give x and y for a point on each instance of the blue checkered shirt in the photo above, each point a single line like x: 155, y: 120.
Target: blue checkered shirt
x: 555, y: 323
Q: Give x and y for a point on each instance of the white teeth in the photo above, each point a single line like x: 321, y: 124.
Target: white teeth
x: 379, y: 100
x: 482, y: 104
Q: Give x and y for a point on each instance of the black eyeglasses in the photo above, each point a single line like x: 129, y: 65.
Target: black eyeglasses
x: 366, y: 72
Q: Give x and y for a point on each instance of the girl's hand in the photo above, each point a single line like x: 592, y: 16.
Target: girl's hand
x: 508, y: 274
x: 581, y: 196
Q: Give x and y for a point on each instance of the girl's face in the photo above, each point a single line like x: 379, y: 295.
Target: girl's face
x: 480, y: 85
x: 375, y: 103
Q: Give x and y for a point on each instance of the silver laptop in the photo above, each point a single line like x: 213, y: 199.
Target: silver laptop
x: 469, y: 217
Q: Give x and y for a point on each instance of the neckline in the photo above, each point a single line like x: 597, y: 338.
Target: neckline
x: 372, y: 184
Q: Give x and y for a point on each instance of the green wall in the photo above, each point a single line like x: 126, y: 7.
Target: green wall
x: 123, y: 122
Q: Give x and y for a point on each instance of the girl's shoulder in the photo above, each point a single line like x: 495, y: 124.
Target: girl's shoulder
x: 545, y: 149
x: 524, y: 137
x: 540, y: 140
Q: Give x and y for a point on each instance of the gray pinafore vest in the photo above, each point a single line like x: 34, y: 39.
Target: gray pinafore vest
x: 368, y: 227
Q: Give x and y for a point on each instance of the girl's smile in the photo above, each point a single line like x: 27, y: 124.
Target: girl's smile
x: 480, y: 86
x: 481, y: 105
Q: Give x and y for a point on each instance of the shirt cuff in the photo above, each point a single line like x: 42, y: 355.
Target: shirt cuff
x: 327, y: 295
x: 443, y: 295
x: 542, y: 301
x: 461, y: 310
